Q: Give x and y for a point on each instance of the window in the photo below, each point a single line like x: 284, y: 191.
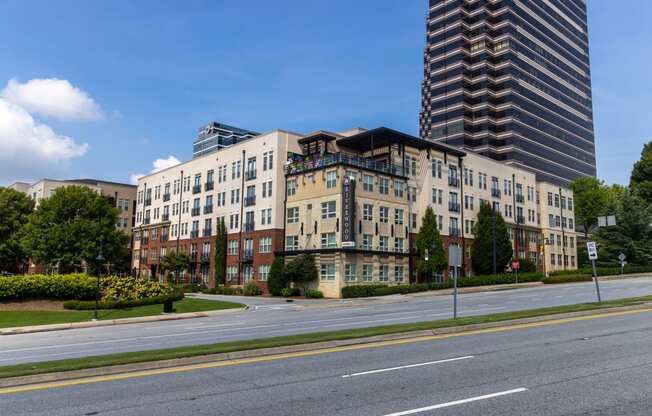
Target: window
x: 384, y: 215
x: 331, y: 179
x: 263, y: 272
x: 399, y: 189
x: 398, y: 216
x: 436, y: 169
x: 367, y: 212
x: 267, y: 189
x: 292, y: 187
x: 327, y: 271
x: 368, y: 183
x: 235, y: 196
x: 383, y: 186
x: 349, y: 272
x: 383, y: 273
x: 232, y: 248
x: 468, y: 202
x: 232, y: 273
x: 292, y: 243
x: 367, y: 272
x: 234, y: 221
x: 328, y: 240
x: 293, y: 215
x: 468, y: 177
x: 265, y: 245
x: 328, y: 209
x: 266, y: 216
x: 398, y: 244
x: 384, y: 243
x: 268, y: 160
x: 556, y: 201
x: 398, y: 273
x: 367, y: 241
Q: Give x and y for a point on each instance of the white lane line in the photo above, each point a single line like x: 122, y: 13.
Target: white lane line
x: 457, y: 402
x: 383, y: 370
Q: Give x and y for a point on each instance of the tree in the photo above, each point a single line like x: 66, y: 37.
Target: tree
x: 592, y: 199
x: 428, y: 239
x: 220, y: 252
x: 301, y: 270
x: 15, y: 208
x: 482, y: 248
x: 176, y: 263
x: 641, y: 178
x: 277, y: 280
x: 67, y: 229
x: 632, y: 234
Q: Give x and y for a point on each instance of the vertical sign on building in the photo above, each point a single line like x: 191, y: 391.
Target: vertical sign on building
x: 348, y: 212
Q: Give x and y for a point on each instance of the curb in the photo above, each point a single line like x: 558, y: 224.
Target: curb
x: 91, y: 324
x: 265, y: 352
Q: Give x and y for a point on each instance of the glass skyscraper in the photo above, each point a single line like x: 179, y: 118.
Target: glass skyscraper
x: 511, y: 79
x: 215, y: 136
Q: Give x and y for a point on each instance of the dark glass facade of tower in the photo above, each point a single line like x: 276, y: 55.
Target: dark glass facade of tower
x: 511, y: 79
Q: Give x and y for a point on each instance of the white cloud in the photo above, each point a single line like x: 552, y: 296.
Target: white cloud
x: 29, y: 148
x: 52, y: 97
x: 157, y: 165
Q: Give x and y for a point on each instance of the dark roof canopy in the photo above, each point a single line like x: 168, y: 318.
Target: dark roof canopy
x: 383, y: 136
x: 318, y: 135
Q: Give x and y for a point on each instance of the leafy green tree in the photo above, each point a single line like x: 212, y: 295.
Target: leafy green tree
x: 301, y: 270
x: 482, y: 248
x: 428, y: 239
x: 641, y: 178
x: 220, y: 253
x: 176, y: 263
x: 67, y: 229
x: 15, y: 208
x: 632, y: 234
x: 277, y: 280
x: 592, y: 199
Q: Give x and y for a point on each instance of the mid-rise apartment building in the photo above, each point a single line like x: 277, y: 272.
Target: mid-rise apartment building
x: 511, y: 80
x: 215, y: 136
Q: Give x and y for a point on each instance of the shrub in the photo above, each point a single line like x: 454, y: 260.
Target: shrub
x: 129, y: 288
x: 287, y: 292
x: 69, y: 286
x: 569, y: 278
x: 188, y: 287
x: 217, y: 290
x: 360, y: 291
x: 231, y: 291
x: 86, y: 305
x: 314, y: 294
x: 526, y: 266
x: 251, y: 289
x: 277, y: 280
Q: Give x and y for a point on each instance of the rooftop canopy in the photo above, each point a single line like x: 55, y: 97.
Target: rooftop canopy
x: 383, y: 136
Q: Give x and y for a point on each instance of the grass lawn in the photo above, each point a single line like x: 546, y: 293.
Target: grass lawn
x: 198, y: 350
x: 10, y: 319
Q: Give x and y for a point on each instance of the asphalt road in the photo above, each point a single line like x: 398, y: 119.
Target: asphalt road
x: 595, y: 367
x: 269, y: 317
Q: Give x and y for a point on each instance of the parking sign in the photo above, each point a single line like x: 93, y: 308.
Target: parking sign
x: 592, y: 249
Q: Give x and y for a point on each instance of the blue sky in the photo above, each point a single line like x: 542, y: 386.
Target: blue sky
x: 158, y: 70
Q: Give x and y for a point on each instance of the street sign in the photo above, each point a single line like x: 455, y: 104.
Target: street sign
x: 622, y: 257
x: 592, y: 249
x: 516, y: 265
x: 454, y: 255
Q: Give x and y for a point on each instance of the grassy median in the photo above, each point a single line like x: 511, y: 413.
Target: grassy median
x: 198, y: 350
x: 9, y: 319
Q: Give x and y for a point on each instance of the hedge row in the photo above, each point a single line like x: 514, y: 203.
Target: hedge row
x: 87, y: 305
x: 603, y: 271
x: 222, y: 290
x: 56, y: 286
x: 361, y: 291
x: 570, y: 278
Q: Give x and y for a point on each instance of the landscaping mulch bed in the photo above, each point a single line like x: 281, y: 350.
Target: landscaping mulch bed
x: 32, y: 305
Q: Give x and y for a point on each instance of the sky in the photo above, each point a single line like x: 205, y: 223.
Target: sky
x: 114, y: 89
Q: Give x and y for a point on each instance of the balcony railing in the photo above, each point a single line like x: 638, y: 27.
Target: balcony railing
x: 454, y: 206
x: 249, y: 227
x: 330, y: 159
x: 148, y: 202
x: 453, y: 181
x: 208, y: 209
x: 166, y: 197
x: 207, y: 232
x: 193, y: 257
x: 143, y: 259
x: 194, y: 233
x: 209, y: 186
x: 520, y: 198
x: 144, y: 241
x: 165, y: 237
x: 247, y: 255
x: 165, y: 217
x: 196, y: 189
x: 249, y: 201
x: 205, y: 258
x: 454, y: 232
x: 495, y: 192
x: 146, y: 221
x: 195, y: 211
x: 520, y: 219
x: 250, y: 174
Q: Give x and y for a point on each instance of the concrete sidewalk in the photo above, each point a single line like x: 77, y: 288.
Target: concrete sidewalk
x: 124, y: 321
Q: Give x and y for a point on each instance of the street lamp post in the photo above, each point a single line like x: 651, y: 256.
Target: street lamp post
x: 99, y: 259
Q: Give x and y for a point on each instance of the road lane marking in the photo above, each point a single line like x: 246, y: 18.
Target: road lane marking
x: 312, y: 353
x: 458, y: 402
x: 384, y: 370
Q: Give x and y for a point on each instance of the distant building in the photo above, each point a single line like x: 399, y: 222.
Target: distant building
x: 511, y: 80
x: 215, y: 136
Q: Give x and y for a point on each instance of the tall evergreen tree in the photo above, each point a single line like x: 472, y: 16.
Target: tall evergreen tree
x: 220, y: 253
x: 641, y: 178
x: 15, y: 208
x: 277, y: 280
x: 428, y: 238
x: 482, y: 248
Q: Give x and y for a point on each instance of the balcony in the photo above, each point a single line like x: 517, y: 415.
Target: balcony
x: 148, y: 202
x: 194, y: 233
x: 520, y: 199
x: 331, y: 159
x: 249, y: 227
x: 495, y: 192
x: 144, y: 241
x: 454, y: 232
x: 453, y: 181
x: 196, y: 189
x: 193, y: 257
x: 165, y: 217
x: 250, y: 200
x: 146, y: 221
x: 195, y: 211
x: 143, y: 260
x: 205, y: 258
x: 165, y: 237
x: 454, y: 206
x: 166, y: 197
x: 520, y: 219
x: 208, y: 209
x: 207, y: 232
x: 209, y: 186
x: 247, y: 256
x: 250, y: 175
